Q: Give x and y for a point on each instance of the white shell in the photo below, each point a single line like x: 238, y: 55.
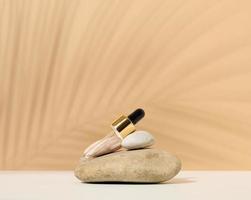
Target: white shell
x: 138, y: 140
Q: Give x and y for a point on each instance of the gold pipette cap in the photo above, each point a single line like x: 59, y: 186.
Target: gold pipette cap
x: 125, y: 125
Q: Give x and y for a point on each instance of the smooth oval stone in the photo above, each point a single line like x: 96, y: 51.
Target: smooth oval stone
x: 140, y: 166
x: 138, y: 140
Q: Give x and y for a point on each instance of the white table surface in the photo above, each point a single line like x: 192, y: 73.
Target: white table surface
x: 56, y: 185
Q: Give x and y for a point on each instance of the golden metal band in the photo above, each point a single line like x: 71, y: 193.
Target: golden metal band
x: 123, y: 126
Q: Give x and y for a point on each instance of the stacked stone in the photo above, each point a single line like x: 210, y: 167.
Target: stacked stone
x: 129, y: 159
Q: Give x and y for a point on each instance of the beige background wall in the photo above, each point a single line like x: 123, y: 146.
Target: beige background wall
x: 68, y: 68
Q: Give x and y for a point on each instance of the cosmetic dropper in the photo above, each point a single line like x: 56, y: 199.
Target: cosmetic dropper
x: 121, y: 127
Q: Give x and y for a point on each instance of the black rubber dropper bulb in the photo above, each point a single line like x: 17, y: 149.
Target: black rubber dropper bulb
x: 137, y: 115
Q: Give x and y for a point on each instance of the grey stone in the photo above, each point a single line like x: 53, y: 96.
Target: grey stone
x: 138, y: 140
x: 140, y: 166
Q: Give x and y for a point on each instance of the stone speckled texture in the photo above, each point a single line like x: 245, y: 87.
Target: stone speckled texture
x: 140, y: 166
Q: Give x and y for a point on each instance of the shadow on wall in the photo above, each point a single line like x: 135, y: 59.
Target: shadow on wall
x: 68, y: 68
